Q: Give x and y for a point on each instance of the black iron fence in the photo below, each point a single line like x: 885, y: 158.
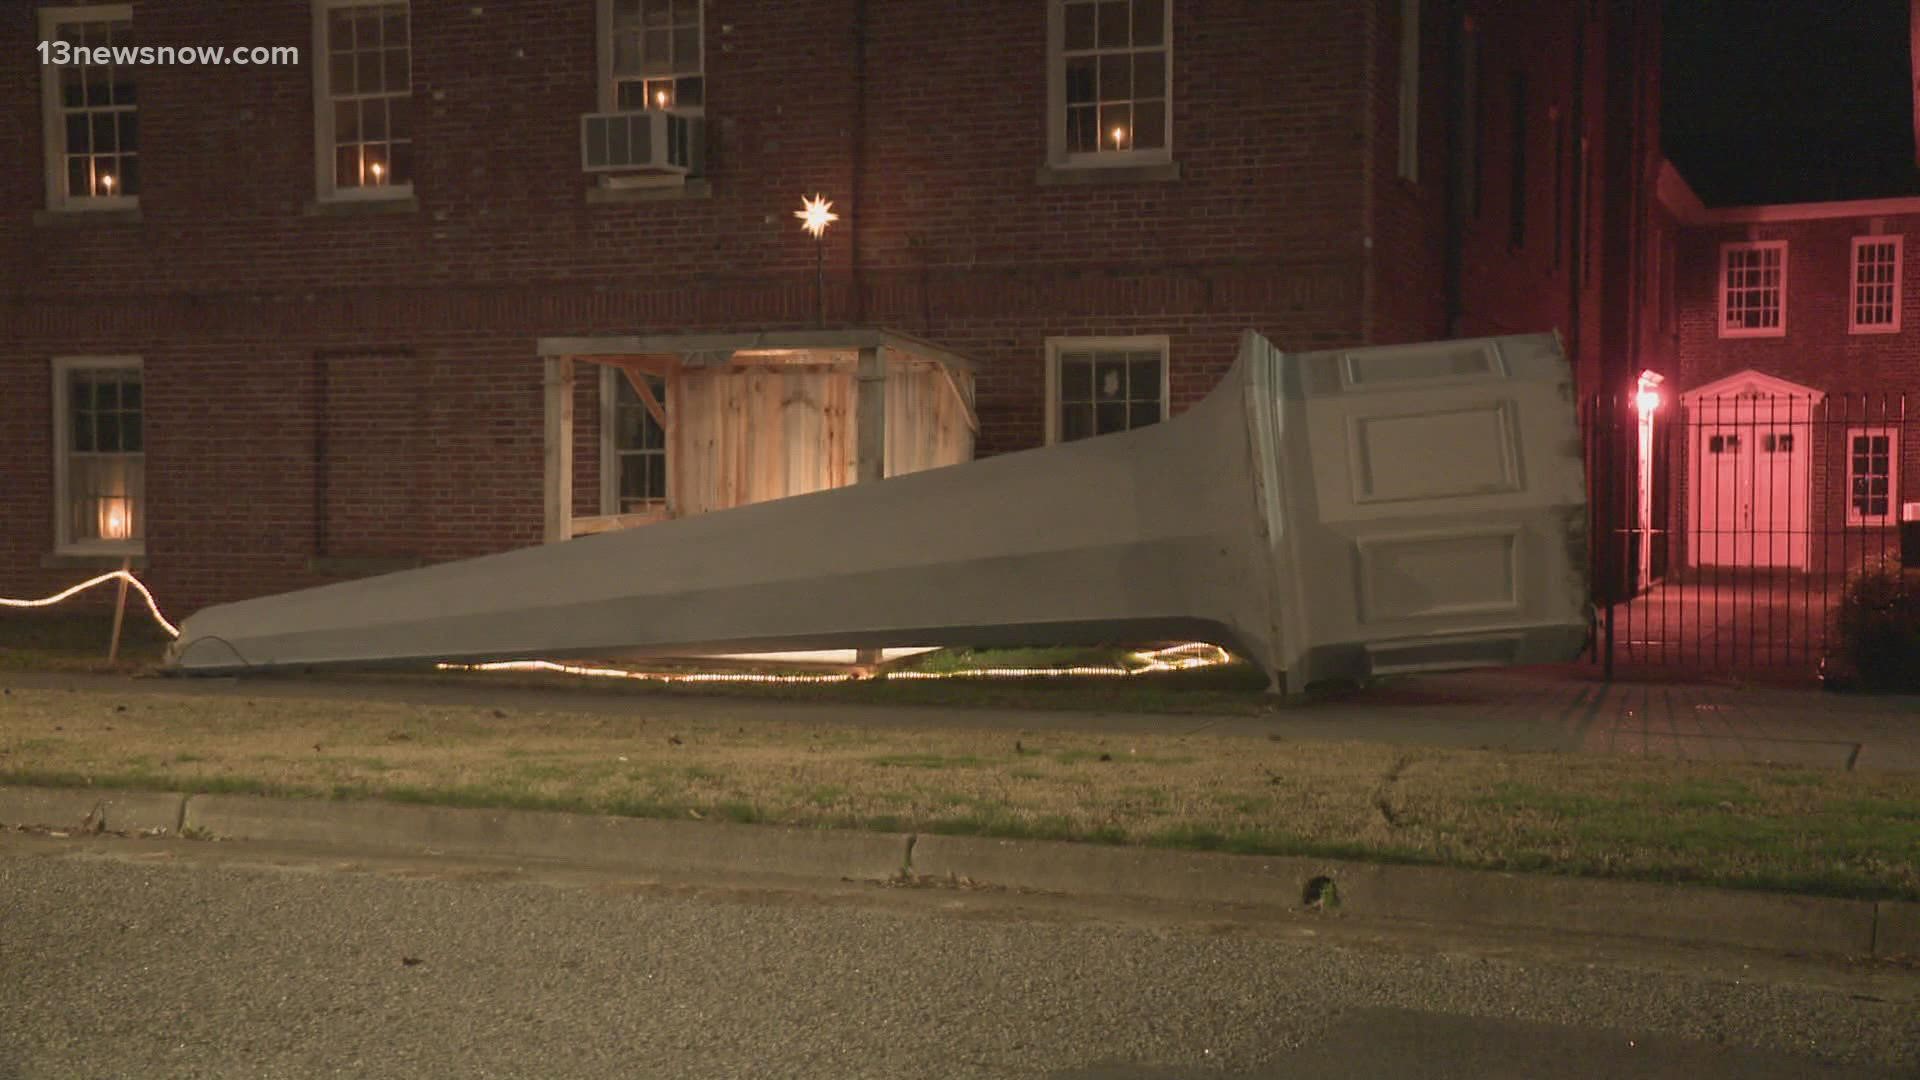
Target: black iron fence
x: 1725, y: 529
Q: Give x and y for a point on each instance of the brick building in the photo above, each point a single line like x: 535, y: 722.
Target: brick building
x: 1785, y: 338
x: 266, y: 325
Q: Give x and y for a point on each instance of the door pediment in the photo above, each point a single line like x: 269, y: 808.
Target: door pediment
x: 1751, y: 384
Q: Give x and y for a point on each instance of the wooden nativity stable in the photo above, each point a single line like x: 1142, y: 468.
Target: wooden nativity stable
x: 700, y: 423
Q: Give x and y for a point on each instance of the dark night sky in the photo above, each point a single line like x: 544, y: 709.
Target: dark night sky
x: 1789, y: 100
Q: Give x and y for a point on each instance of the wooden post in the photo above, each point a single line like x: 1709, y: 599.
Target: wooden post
x: 870, y: 416
x: 870, y: 447
x: 119, y: 611
x: 559, y: 448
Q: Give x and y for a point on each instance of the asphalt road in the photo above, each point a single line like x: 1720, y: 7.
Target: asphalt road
x: 171, y: 958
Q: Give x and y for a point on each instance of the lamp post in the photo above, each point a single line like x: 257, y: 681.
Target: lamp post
x: 815, y: 215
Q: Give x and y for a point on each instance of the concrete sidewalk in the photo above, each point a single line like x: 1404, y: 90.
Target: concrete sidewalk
x: 1513, y: 710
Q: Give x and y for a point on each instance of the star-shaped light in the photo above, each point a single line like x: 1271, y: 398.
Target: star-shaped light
x: 815, y: 215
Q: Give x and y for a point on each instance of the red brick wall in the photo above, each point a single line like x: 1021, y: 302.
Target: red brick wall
x: 1407, y: 220
x: 232, y: 292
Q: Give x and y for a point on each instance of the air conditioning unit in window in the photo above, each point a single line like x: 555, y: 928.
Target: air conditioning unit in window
x: 668, y: 141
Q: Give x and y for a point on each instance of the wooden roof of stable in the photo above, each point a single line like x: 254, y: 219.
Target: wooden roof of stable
x: 709, y: 349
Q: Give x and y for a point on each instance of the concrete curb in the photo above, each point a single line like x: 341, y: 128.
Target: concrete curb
x: 637, y: 843
x: 1440, y: 895
x: 71, y: 808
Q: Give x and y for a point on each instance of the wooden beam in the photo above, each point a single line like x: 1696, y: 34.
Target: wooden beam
x: 636, y: 379
x: 870, y: 416
x: 559, y: 448
x: 966, y: 407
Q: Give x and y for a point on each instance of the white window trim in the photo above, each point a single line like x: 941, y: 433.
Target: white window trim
x: 1854, y: 517
x: 51, y: 121
x: 63, y: 367
x: 1058, y: 345
x: 1898, y: 241
x: 1761, y: 332
x: 323, y: 149
x: 1057, y: 155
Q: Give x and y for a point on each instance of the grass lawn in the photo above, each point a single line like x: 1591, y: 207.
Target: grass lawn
x: 1751, y: 826
x: 64, y: 640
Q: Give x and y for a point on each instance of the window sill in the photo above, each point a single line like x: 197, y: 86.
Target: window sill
x: 359, y: 566
x: 694, y: 188
x: 63, y: 218
x: 405, y: 204
x: 1062, y: 175
x: 91, y: 561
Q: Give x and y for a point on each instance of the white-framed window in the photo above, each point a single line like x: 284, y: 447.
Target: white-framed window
x: 652, y: 55
x: 90, y: 113
x: 363, y: 99
x: 633, y: 445
x: 99, y: 455
x: 1097, y: 386
x: 1873, y: 475
x: 1753, y: 289
x: 1874, y: 306
x: 1109, y: 81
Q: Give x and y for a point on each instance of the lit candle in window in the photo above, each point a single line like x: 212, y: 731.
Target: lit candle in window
x: 378, y: 170
x: 660, y: 98
x: 1119, y: 136
x: 106, y: 181
x: 116, y: 518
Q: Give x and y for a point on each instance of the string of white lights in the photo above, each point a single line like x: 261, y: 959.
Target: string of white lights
x: 1182, y: 657
x: 66, y: 594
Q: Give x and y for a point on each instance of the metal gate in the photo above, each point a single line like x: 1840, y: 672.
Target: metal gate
x: 1726, y: 525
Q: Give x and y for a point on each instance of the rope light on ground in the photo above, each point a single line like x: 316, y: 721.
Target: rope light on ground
x: 117, y: 575
x: 1182, y: 657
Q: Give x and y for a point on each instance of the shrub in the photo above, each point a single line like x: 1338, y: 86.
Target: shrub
x: 1879, y: 627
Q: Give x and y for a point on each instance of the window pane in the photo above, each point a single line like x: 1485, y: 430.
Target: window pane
x: 1080, y: 79
x: 1116, y: 127
x: 393, y: 28
x: 400, y: 163
x: 690, y: 92
x: 346, y: 167
x: 1143, y: 378
x: 1082, y: 130
x: 339, y: 30
x: 398, y: 80
x: 368, y: 65
x: 73, y: 92
x: 1113, y: 24
x: 106, y: 432
x: 1149, y: 22
x: 340, y: 78
x: 131, y: 432
x: 77, y: 176
x: 1141, y: 414
x: 373, y: 120
x: 129, y: 175
x: 632, y: 95
x: 626, y: 12
x: 82, y: 432
x: 657, y: 475
x: 399, y: 118
x: 1110, y: 418
x: 686, y: 49
x: 1150, y: 75
x: 655, y: 51
x: 1149, y: 125
x: 1076, y: 381
x: 1116, y: 77
x: 104, y: 139
x: 1110, y: 377
x: 1076, y: 422
x: 77, y: 128
x: 1079, y: 26
x: 129, y: 137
